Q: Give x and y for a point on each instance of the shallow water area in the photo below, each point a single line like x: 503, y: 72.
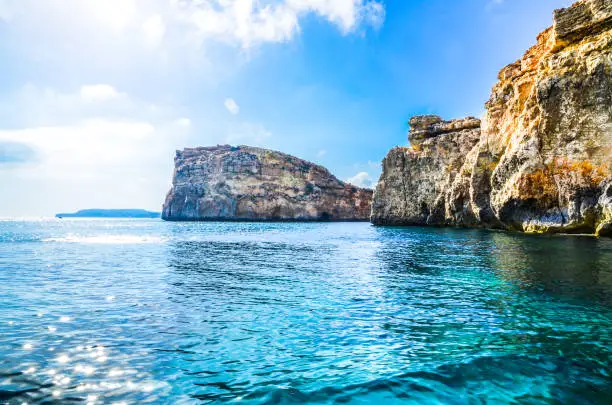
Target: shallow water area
x: 145, y: 311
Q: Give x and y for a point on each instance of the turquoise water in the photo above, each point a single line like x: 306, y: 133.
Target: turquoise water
x: 142, y: 311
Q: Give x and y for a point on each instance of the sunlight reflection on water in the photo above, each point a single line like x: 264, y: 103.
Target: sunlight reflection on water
x: 135, y: 311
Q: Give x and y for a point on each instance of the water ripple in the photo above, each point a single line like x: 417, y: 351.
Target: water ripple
x: 131, y: 312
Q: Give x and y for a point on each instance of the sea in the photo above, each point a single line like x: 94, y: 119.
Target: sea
x: 151, y: 312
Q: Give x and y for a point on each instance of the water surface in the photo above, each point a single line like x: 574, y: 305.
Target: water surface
x: 142, y: 311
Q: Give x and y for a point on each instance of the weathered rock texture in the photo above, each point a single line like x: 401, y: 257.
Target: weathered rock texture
x: 542, y: 159
x: 418, y: 184
x: 247, y: 183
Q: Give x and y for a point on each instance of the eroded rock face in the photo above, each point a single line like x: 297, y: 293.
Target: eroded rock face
x: 416, y: 187
x: 543, y: 160
x: 247, y: 183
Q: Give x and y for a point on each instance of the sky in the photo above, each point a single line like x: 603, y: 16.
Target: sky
x: 96, y: 95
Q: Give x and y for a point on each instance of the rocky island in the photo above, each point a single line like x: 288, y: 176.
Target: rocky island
x: 245, y: 183
x: 540, y: 160
x: 110, y: 213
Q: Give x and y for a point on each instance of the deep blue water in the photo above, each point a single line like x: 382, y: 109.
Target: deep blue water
x: 142, y: 311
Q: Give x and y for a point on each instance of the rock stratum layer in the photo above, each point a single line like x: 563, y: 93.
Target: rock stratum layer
x: 540, y: 161
x: 254, y: 184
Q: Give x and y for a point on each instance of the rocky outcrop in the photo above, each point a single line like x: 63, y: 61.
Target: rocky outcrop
x: 254, y: 184
x: 416, y: 185
x: 430, y: 126
x: 542, y: 161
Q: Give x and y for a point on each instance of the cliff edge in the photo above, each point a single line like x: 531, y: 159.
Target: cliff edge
x: 540, y: 161
x: 254, y: 184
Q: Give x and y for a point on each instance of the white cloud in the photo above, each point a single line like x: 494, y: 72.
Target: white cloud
x: 74, y: 153
x: 249, y: 23
x: 82, y: 146
x: 99, y: 162
x: 345, y: 13
x: 362, y: 179
x: 321, y: 153
x: 4, y: 11
x: 84, y: 110
x: 232, y: 106
x: 183, y: 123
x: 154, y: 30
x: 99, y: 93
x: 111, y: 140
x: 243, y: 22
x: 34, y: 106
x: 93, y: 147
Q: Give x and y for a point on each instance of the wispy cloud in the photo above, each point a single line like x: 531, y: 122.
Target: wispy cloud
x: 85, y: 115
x: 183, y: 123
x: 99, y: 93
x: 15, y: 153
x: 246, y: 23
x: 362, y: 179
x: 249, y: 23
x: 86, y: 145
x: 154, y: 30
x: 232, y: 106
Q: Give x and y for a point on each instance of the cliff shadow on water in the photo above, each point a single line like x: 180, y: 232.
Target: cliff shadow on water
x: 562, y: 266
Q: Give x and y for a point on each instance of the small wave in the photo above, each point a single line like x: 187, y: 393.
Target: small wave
x: 108, y: 239
x: 501, y: 379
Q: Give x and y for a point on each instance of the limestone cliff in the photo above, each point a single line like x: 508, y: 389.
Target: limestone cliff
x: 416, y: 183
x: 541, y: 159
x: 247, y: 183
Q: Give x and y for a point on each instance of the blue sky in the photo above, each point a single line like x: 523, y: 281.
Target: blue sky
x: 95, y: 95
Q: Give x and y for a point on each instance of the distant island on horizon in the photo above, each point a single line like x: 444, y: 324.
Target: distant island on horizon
x: 110, y: 213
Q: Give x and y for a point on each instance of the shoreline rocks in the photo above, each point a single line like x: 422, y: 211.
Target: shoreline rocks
x: 243, y: 183
x: 540, y: 161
